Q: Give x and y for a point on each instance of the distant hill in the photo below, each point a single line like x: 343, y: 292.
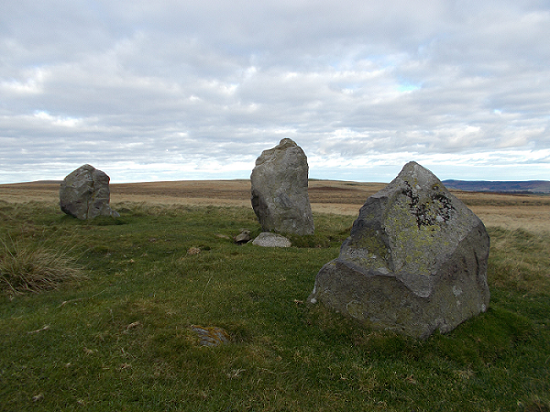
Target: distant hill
x: 530, y: 186
x: 47, y: 182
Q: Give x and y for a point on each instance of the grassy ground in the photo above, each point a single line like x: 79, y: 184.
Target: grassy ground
x: 120, y: 338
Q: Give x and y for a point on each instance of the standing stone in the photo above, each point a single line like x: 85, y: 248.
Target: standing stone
x: 279, y: 190
x: 85, y: 194
x: 415, y: 261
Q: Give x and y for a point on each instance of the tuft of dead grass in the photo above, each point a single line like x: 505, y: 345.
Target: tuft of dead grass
x: 518, y: 261
x: 26, y: 267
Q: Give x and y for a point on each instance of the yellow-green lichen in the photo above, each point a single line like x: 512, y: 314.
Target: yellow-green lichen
x: 411, y: 243
x: 367, y: 249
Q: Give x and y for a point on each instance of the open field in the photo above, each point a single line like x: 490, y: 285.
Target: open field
x: 113, y: 327
x: 530, y: 212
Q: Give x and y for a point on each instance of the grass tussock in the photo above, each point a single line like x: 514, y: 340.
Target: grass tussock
x: 520, y: 261
x: 125, y: 338
x: 27, y: 267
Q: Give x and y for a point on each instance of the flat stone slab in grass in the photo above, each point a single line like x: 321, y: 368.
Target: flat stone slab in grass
x: 211, y: 335
x: 415, y: 261
x: 268, y: 239
x: 243, y: 237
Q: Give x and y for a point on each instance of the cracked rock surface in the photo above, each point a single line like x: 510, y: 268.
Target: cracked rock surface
x: 279, y: 190
x: 85, y: 194
x: 415, y: 261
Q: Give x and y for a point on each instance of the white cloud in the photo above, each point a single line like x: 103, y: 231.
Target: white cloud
x: 183, y: 90
x: 30, y: 83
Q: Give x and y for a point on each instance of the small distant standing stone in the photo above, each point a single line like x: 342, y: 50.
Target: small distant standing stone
x: 279, y: 190
x: 415, y: 261
x: 85, y: 194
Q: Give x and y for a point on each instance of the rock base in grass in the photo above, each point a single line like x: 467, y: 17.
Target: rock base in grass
x: 415, y: 261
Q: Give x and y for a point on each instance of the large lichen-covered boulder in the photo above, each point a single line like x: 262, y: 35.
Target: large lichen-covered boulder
x: 85, y: 194
x: 415, y: 261
x: 279, y: 190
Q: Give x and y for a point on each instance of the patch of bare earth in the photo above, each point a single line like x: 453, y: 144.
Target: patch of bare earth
x: 529, y: 212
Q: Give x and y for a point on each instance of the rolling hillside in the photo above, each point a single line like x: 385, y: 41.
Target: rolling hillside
x: 531, y: 186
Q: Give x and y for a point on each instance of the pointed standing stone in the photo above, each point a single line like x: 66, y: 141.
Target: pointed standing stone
x: 279, y: 190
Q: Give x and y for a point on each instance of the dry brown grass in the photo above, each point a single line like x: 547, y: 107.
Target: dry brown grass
x: 529, y: 212
x: 26, y: 267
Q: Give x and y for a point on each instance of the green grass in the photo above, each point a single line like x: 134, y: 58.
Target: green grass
x: 122, y: 340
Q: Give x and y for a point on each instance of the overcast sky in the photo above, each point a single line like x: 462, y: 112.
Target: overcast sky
x: 171, y: 90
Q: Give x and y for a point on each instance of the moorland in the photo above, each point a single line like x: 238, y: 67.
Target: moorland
x: 98, y: 315
x: 510, y: 211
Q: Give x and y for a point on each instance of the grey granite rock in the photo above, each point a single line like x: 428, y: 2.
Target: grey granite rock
x: 415, y: 261
x: 85, y: 194
x: 268, y: 239
x: 279, y: 190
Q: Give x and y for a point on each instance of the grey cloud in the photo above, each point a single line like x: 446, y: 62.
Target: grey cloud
x: 185, y: 84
